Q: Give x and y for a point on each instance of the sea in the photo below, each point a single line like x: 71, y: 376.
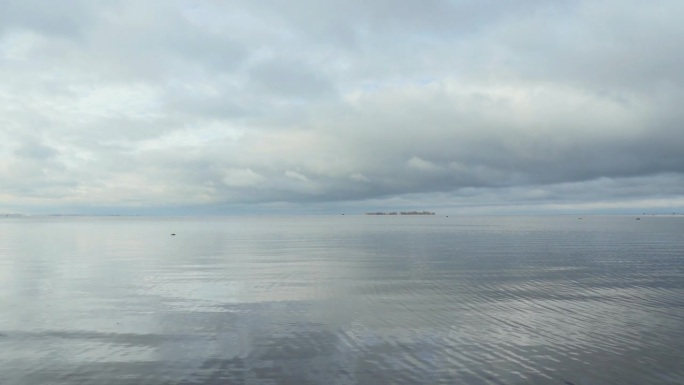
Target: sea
x: 346, y: 299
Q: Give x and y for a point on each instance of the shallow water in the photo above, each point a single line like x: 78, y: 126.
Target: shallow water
x: 342, y: 300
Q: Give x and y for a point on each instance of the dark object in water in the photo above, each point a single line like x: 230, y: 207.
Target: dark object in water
x: 638, y: 219
x: 173, y: 234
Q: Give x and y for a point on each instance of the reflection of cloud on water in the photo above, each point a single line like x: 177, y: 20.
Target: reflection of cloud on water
x: 283, y: 343
x: 191, y: 294
x: 199, y: 293
x: 393, y: 304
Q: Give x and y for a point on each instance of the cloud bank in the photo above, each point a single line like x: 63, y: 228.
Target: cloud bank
x: 464, y: 106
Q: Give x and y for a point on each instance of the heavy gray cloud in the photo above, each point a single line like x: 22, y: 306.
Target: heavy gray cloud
x: 462, y: 106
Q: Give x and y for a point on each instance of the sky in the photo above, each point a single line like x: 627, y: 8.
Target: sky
x: 232, y: 107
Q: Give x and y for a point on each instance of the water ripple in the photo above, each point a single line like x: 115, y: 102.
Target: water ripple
x: 342, y: 301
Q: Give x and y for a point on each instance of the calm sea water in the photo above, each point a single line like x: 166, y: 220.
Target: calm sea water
x: 342, y: 300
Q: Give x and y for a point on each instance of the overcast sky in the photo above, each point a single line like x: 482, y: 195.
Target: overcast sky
x: 203, y: 107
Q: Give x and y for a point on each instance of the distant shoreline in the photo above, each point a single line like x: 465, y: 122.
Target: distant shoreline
x: 401, y: 213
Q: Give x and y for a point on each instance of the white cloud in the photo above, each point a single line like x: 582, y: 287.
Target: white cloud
x: 261, y: 102
x: 358, y: 177
x: 241, y: 178
x: 422, y: 165
x: 296, y: 175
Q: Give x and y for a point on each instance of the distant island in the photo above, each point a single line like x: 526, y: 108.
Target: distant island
x: 402, y: 213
